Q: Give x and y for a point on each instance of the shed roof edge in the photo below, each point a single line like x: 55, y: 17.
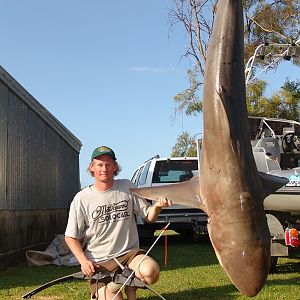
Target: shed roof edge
x: 45, y: 114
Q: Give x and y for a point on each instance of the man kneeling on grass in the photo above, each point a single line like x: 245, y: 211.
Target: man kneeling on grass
x: 103, y: 215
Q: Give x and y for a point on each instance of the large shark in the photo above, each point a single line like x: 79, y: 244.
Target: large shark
x: 229, y: 189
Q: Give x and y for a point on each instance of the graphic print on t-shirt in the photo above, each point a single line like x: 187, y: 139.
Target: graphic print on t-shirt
x: 111, y: 212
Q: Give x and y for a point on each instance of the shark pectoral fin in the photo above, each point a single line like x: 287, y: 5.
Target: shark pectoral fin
x: 185, y: 193
x: 271, y: 183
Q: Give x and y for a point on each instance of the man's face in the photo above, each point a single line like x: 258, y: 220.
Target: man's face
x: 104, y: 168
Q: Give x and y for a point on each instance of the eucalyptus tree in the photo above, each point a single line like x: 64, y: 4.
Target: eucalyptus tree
x: 284, y: 104
x: 265, y: 21
x: 185, y: 146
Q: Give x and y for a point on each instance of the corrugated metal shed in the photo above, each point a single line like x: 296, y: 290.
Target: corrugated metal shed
x: 39, y: 171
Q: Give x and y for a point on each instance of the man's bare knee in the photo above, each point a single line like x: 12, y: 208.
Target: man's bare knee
x: 148, y: 270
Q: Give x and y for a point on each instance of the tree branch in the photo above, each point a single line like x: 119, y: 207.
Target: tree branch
x: 268, y: 30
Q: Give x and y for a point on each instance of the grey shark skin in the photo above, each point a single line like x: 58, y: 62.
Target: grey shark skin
x: 231, y: 191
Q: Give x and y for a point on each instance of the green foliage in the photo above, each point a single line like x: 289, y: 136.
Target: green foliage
x: 185, y: 146
x: 270, y: 21
x: 284, y: 104
x: 189, y: 99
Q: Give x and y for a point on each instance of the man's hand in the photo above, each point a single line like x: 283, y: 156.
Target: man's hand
x: 156, y: 208
x: 87, y: 268
x: 163, y: 202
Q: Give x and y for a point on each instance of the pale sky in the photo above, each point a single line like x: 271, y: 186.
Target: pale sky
x: 107, y: 70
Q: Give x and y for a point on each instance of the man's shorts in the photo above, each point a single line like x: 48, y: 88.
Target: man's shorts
x: 112, y: 266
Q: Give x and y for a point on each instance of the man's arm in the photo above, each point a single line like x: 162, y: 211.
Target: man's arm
x: 156, y: 208
x: 87, y: 266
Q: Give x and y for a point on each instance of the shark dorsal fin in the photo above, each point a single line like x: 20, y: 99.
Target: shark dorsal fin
x: 271, y: 183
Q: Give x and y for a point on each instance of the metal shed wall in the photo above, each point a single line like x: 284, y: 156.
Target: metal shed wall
x: 39, y: 171
x: 3, y: 141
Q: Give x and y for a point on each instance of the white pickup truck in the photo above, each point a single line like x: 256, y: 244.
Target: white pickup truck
x: 160, y: 171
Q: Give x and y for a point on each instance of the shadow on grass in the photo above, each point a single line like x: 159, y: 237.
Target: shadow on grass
x: 289, y: 267
x: 24, y: 276
x: 31, y: 277
x: 290, y: 281
x: 181, y: 253
x: 225, y: 293
x: 176, y: 239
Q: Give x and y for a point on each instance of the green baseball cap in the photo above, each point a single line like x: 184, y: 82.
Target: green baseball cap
x: 103, y: 150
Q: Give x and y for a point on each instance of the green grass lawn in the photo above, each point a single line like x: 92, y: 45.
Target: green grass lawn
x: 192, y: 272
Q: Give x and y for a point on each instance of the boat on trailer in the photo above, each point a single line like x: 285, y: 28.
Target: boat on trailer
x: 276, y: 150
x: 276, y: 142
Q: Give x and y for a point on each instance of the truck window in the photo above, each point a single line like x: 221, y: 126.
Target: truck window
x: 137, y: 175
x: 171, y: 171
x: 143, y: 177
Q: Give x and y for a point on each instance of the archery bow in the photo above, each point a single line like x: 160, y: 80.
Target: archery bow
x: 77, y: 275
x: 126, y: 277
x: 118, y: 278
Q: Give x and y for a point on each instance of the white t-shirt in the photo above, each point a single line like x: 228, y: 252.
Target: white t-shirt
x: 106, y: 221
